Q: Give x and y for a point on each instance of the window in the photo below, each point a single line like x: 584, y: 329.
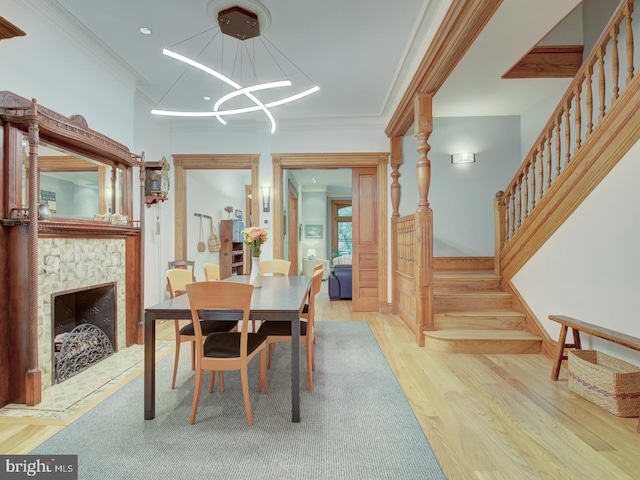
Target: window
x: 342, y: 231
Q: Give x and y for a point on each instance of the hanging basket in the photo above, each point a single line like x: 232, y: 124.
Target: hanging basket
x: 606, y: 381
x: 214, y: 239
x: 201, y: 245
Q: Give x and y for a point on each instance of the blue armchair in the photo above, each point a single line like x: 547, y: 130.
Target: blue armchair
x: 340, y: 282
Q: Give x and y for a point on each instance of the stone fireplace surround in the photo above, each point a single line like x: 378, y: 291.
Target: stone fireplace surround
x: 72, y: 263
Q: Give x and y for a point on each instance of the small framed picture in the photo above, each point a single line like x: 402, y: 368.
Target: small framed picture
x: 313, y: 231
x: 238, y: 214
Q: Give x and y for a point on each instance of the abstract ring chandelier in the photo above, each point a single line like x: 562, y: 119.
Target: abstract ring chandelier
x: 242, y: 25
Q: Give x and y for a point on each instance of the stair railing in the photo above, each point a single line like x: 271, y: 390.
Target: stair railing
x: 593, y: 92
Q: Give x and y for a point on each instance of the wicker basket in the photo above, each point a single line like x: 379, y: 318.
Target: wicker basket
x: 606, y: 381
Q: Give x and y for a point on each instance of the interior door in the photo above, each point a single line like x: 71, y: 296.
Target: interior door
x: 365, y: 240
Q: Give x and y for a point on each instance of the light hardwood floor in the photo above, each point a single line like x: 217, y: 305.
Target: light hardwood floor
x: 487, y: 417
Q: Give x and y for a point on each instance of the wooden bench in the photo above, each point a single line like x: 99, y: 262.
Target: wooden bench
x: 578, y: 326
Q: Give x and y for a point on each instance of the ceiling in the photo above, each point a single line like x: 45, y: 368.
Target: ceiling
x: 361, y: 53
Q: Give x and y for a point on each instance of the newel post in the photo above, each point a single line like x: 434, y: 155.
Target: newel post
x: 500, y: 228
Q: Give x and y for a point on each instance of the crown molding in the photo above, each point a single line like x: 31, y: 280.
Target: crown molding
x: 64, y: 23
x: 421, y: 37
x: 287, y: 125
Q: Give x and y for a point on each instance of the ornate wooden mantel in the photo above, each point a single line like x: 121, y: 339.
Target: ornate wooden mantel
x: 20, y: 229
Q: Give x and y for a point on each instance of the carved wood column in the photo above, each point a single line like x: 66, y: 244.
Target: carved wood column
x: 180, y: 215
x: 141, y: 251
x: 423, y: 126
x: 33, y: 377
x: 396, y: 161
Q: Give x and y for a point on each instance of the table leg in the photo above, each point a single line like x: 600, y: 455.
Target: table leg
x: 555, y: 372
x: 295, y: 369
x: 149, y: 366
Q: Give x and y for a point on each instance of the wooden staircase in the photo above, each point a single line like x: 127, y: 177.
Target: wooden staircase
x: 472, y: 314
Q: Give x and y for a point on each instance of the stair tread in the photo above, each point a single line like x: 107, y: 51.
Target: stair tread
x: 472, y: 334
x: 473, y: 293
x: 480, y: 313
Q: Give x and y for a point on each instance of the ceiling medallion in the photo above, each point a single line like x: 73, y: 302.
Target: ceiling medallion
x: 242, y: 25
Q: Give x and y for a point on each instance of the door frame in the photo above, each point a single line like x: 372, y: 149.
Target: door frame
x: 292, y: 226
x: 329, y: 161
x: 184, y: 162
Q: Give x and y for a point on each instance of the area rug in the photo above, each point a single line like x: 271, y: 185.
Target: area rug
x: 356, y: 424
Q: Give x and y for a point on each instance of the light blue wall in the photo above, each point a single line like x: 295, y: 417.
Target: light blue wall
x: 595, y: 15
x: 463, y: 192
x: 314, y: 212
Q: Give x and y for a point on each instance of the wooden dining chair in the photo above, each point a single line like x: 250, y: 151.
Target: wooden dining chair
x: 177, y: 280
x: 304, y: 314
x: 275, y: 267
x: 185, y: 265
x: 211, y: 271
x: 281, y: 331
x: 230, y: 350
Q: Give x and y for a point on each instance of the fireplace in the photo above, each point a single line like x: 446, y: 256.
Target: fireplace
x: 83, y: 328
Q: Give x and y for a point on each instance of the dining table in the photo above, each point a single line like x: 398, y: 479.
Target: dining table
x: 281, y: 298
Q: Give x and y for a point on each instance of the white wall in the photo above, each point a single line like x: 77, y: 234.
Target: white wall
x: 50, y: 67
x: 463, y: 192
x: 589, y: 268
x: 153, y: 137
x: 208, y: 193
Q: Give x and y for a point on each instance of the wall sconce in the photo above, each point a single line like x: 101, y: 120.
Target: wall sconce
x: 466, y: 157
x: 266, y: 199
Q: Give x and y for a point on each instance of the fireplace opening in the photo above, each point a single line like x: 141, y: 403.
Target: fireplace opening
x: 83, y: 328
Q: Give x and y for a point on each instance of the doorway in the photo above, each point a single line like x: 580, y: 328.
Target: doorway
x: 184, y: 162
x: 378, y: 162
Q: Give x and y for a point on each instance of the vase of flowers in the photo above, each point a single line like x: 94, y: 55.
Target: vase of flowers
x: 229, y: 210
x: 255, y: 237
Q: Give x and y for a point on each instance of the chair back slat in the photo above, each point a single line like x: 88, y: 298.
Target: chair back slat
x: 177, y: 280
x: 234, y: 296
x: 275, y: 267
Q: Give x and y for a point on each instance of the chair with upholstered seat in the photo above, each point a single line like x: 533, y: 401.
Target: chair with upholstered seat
x: 275, y: 267
x: 226, y: 351
x: 281, y: 331
x: 304, y: 314
x: 177, y: 280
x: 211, y: 271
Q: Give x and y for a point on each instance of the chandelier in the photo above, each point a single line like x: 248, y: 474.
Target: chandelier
x: 254, y: 72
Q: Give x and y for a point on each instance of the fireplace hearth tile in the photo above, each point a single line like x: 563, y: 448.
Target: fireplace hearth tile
x: 65, y: 399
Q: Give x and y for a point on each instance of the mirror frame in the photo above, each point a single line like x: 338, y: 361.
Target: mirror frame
x: 22, y: 117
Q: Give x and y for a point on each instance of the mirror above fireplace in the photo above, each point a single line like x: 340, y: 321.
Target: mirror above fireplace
x: 73, y: 186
